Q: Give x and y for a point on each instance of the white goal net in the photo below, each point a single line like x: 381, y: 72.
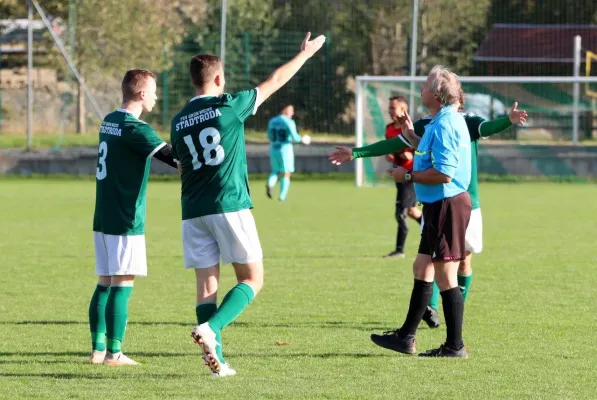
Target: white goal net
x: 560, y: 109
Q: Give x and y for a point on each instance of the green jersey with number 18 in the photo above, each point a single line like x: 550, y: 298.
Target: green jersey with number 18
x: 126, y: 146
x: 208, y: 142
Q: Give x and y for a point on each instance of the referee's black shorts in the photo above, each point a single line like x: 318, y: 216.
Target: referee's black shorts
x: 444, y: 228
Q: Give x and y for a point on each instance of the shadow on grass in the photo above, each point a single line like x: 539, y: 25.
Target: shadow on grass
x: 66, y: 376
x: 34, y: 361
x: 58, y: 375
x: 281, y: 354
x: 364, y: 326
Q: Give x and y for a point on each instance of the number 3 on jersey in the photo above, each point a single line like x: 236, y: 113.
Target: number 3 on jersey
x: 213, y: 153
x: 101, y: 172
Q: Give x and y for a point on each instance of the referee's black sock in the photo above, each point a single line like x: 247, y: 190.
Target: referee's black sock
x: 419, y: 299
x: 453, y: 304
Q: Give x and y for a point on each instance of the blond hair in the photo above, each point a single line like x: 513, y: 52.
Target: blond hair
x: 133, y: 83
x: 445, y: 85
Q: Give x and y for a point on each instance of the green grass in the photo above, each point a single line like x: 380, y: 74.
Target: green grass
x: 49, y: 140
x: 530, y: 319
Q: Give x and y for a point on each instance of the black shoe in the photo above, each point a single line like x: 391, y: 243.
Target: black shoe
x: 268, y: 191
x: 431, y: 317
x: 445, y: 351
x: 391, y: 340
x: 395, y: 254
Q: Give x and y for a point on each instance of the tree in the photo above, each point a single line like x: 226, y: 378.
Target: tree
x: 451, y: 31
x: 542, y: 12
x: 112, y: 36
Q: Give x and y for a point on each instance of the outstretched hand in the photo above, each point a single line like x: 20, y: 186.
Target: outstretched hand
x: 341, y: 155
x: 517, y: 117
x: 310, y: 47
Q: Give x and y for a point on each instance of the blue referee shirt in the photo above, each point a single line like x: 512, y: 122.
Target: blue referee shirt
x: 446, y: 147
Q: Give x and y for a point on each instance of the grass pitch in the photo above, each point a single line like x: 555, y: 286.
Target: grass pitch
x: 529, y: 320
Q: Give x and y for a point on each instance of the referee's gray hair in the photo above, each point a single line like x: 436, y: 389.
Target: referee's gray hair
x: 445, y: 84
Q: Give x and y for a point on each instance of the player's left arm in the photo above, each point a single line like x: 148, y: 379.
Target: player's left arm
x: 165, y: 155
x: 146, y: 142
x: 499, y: 125
x: 296, y: 138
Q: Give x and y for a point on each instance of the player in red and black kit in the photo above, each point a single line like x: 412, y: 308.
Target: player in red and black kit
x: 405, y: 196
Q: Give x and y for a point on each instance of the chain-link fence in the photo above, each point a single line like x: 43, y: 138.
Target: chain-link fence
x: 481, y: 38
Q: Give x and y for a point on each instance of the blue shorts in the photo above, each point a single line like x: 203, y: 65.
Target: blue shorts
x: 282, y: 161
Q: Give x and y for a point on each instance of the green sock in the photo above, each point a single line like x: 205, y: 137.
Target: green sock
x: 434, y: 301
x: 97, y: 317
x: 117, y: 316
x: 464, y: 282
x: 204, y: 312
x: 235, y: 302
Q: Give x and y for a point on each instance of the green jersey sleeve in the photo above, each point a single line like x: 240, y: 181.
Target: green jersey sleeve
x: 381, y: 148
x: 145, y: 141
x: 473, y: 123
x: 498, y: 125
x: 243, y: 103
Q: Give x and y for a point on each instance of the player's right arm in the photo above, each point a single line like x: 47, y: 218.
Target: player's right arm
x: 344, y: 154
x: 283, y: 74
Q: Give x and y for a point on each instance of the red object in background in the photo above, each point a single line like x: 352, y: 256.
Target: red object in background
x: 392, y: 132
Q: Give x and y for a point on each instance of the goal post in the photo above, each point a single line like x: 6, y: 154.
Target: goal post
x: 549, y: 101
x: 590, y: 58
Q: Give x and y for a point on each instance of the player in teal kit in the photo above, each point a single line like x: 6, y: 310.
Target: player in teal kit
x: 282, y: 133
x: 208, y: 143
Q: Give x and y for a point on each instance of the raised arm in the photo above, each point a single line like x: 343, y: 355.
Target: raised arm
x: 283, y: 74
x: 408, y: 130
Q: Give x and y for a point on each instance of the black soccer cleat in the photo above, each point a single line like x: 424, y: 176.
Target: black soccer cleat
x: 445, y: 351
x: 268, y: 191
x: 391, y: 340
x: 431, y: 317
x: 395, y: 254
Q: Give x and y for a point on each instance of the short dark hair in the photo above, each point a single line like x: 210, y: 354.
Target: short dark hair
x: 203, y: 68
x: 400, y: 99
x: 285, y: 106
x: 133, y: 81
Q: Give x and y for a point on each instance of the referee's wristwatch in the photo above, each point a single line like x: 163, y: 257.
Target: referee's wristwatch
x: 408, y: 176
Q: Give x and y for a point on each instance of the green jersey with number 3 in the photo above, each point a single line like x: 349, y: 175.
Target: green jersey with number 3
x: 126, y: 146
x: 208, y: 142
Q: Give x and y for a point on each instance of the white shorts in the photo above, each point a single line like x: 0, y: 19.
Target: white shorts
x: 474, y: 232
x: 120, y: 255
x: 231, y: 236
